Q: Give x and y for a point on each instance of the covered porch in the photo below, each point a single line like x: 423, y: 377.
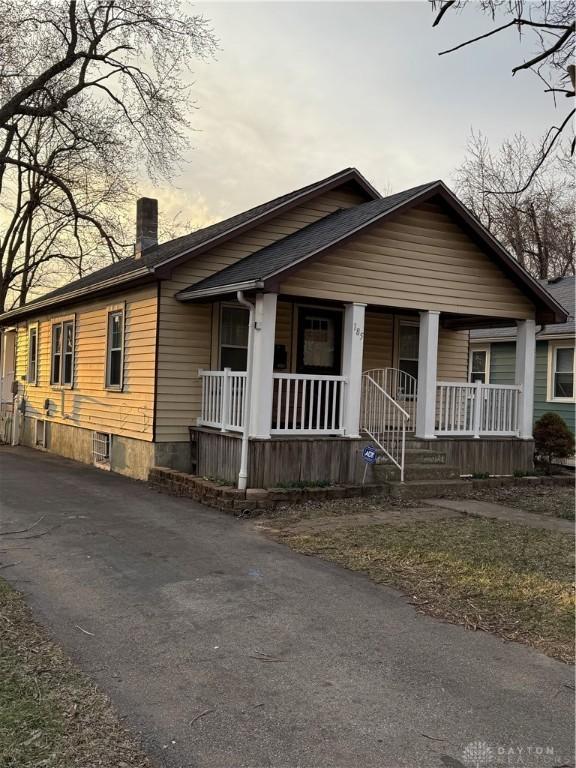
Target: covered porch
x: 354, y: 372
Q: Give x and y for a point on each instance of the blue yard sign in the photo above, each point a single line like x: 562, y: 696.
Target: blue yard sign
x: 369, y: 454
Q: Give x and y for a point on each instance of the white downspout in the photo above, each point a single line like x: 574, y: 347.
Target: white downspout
x: 243, y: 473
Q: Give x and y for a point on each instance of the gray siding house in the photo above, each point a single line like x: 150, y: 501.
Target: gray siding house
x: 493, y: 354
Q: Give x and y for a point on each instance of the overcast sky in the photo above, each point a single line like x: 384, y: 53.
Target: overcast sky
x: 301, y: 90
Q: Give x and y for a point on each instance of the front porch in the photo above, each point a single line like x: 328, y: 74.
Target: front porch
x: 312, y: 423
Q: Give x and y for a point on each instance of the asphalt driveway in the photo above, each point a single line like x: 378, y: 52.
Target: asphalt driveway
x: 301, y: 663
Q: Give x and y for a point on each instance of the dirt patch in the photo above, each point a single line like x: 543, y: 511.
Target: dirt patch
x: 50, y: 714
x: 555, y: 501
x: 392, y: 515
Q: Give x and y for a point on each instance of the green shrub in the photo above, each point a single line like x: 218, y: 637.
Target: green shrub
x: 552, y: 439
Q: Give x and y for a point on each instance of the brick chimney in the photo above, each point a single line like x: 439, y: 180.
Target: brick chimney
x: 146, y: 224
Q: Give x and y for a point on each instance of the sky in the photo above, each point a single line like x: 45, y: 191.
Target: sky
x: 299, y: 90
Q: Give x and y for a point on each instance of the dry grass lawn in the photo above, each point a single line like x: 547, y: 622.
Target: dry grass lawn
x: 514, y: 581
x: 51, y: 716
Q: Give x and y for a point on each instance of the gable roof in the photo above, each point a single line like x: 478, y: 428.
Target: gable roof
x: 159, y: 260
x: 254, y: 270
x: 263, y: 269
x: 563, y: 291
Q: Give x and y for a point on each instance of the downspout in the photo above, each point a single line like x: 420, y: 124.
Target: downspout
x: 243, y: 473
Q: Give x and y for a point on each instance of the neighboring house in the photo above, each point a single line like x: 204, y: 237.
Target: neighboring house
x: 493, y: 355
x: 252, y: 335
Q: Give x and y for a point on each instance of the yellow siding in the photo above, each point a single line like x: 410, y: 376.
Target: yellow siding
x: 88, y: 404
x: 452, y: 355
x: 420, y: 260
x: 378, y: 341
x: 185, y: 343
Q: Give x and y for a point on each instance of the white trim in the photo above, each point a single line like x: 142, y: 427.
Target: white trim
x: 427, y: 371
x: 110, y: 312
x: 524, y: 375
x: 263, y: 365
x: 36, y: 328
x: 480, y: 348
x: 352, y: 353
x: 62, y: 323
x: 553, y: 346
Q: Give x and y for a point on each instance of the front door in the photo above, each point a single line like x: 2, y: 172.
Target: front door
x: 319, y: 341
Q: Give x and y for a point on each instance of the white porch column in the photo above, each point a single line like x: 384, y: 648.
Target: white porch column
x: 263, y: 365
x: 352, y: 351
x: 427, y: 366
x: 525, y: 361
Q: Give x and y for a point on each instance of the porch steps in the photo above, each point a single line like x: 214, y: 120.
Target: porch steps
x: 427, y: 489
x: 426, y: 474
x: 425, y: 471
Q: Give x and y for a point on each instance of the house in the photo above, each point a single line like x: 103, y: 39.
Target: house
x: 272, y: 346
x: 493, y: 355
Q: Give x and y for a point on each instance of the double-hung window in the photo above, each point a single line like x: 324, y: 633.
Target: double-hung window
x: 62, y: 368
x: 115, y: 350
x: 233, y: 338
x: 561, y: 375
x: 32, y: 376
x: 479, y: 366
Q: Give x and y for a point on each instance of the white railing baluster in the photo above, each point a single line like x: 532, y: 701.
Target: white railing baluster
x: 476, y: 409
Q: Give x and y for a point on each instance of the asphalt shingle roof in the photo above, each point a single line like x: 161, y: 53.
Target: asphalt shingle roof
x: 564, y: 291
x: 156, y: 255
x: 291, y: 249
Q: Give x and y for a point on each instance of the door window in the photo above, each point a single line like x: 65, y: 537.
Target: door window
x: 408, y: 339
x: 319, y: 341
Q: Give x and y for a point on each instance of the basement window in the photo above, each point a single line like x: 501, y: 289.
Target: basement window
x: 40, y: 436
x: 101, y: 442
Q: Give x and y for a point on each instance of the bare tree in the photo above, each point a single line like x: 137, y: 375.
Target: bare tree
x: 549, y: 27
x: 90, y: 93
x: 536, y: 224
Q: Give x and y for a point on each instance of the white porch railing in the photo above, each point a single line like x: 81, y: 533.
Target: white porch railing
x: 223, y: 394
x: 477, y: 409
x: 401, y: 386
x: 384, y: 419
x: 307, y: 404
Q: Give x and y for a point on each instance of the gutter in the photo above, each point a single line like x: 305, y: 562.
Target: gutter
x: 247, y: 285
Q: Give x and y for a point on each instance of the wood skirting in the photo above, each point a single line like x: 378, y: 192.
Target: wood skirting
x: 338, y: 459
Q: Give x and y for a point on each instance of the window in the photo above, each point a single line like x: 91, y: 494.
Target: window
x: 101, y: 442
x: 319, y: 345
x: 62, y: 370
x: 479, y: 368
x: 32, y: 376
x: 115, y: 354
x: 408, y: 340
x: 234, y: 338
x: 561, y: 372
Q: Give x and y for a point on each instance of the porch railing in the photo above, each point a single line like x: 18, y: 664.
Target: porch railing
x: 223, y: 395
x: 307, y: 404
x: 384, y: 419
x: 477, y: 409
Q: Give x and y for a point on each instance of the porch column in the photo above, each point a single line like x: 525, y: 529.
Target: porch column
x: 525, y: 362
x: 263, y: 365
x: 427, y: 366
x: 352, y: 351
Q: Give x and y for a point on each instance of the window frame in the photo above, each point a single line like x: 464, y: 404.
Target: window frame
x: 32, y: 328
x: 230, y: 305
x: 400, y: 322
x: 62, y: 323
x: 553, y: 347
x: 111, y: 311
x: 483, y: 348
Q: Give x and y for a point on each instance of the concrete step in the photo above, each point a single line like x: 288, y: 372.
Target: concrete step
x: 424, y: 456
x: 428, y: 489
x: 384, y: 472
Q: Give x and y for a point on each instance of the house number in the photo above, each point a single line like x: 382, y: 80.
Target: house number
x: 358, y: 331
